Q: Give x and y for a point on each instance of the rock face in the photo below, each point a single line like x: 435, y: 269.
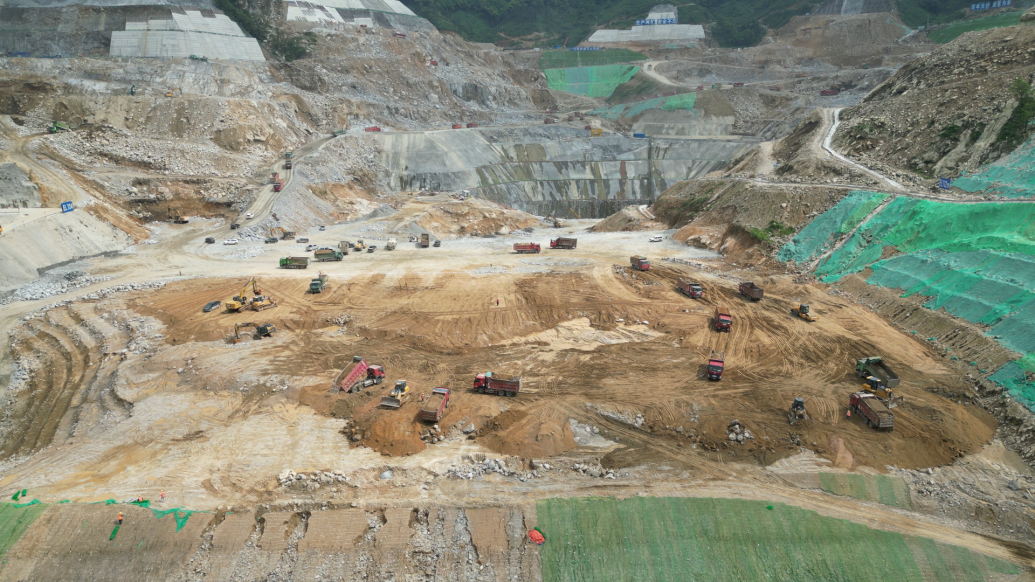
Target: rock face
x: 17, y: 188
x: 942, y: 114
x: 1028, y: 16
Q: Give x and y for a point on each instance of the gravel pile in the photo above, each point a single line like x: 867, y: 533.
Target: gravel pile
x: 95, y: 295
x: 54, y: 283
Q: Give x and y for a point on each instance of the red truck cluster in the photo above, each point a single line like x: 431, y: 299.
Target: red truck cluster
x: 357, y: 376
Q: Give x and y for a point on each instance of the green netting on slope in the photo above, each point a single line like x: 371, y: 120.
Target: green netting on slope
x: 565, y: 59
x: 179, y: 514
x: 638, y: 108
x: 912, y: 225
x: 979, y: 286
x: 817, y: 236
x: 590, y: 81
x: 679, y: 539
x: 683, y: 101
x: 14, y: 521
x: 1012, y: 176
x: 1012, y: 377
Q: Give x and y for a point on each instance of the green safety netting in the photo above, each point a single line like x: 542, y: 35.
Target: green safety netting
x: 1012, y: 176
x: 818, y: 235
x: 979, y: 286
x: 1012, y: 377
x: 977, y: 261
x: 911, y: 225
x: 684, y: 101
x: 179, y: 514
x: 590, y: 81
x: 566, y: 59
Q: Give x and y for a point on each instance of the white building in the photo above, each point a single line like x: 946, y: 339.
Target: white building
x: 660, y: 25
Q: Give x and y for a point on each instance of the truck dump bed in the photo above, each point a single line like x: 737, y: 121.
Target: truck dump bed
x: 751, y: 291
x: 435, y: 405
x: 875, y: 366
x: 356, y: 369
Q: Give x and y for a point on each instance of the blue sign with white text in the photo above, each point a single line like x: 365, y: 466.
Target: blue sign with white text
x: 67, y: 207
x: 653, y: 21
x: 944, y: 183
x: 987, y: 5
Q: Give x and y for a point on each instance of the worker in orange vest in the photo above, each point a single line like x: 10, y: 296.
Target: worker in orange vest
x: 140, y: 499
x: 849, y: 414
x: 163, y: 495
x: 120, y: 518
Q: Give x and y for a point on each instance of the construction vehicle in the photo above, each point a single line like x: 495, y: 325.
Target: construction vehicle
x: 396, y: 395
x: 716, y: 364
x: 872, y: 410
x: 596, y: 132
x: 344, y: 246
x: 57, y: 126
x: 179, y: 218
x: 197, y: 58
x: 294, y: 262
x: 435, y: 406
x: 359, y: 246
x: 277, y: 232
x: 425, y: 240
x: 885, y: 394
x: 357, y: 376
x: 391, y: 244
x: 132, y: 90
x: 549, y: 120
x: 398, y: 35
x: 373, y: 128
x: 528, y: 247
x: 751, y: 291
x: 802, y: 311
x: 278, y: 186
x: 262, y: 302
x: 639, y: 263
x: 458, y: 126
x: 289, y: 154
x: 564, y: 243
x: 318, y: 284
x: 488, y: 383
x: 239, y: 301
x: 875, y: 366
x: 690, y: 288
x: 723, y: 319
x: 470, y: 125
x: 290, y: 235
x: 797, y: 411
x: 261, y: 331
x: 325, y: 255
x: 288, y: 165
x: 173, y: 91
x: 275, y: 178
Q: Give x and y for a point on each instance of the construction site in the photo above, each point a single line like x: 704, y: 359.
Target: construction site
x: 417, y: 308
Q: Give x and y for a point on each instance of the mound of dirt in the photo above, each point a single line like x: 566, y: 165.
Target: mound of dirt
x: 518, y: 433
x: 626, y: 220
x: 393, y: 436
x: 472, y: 217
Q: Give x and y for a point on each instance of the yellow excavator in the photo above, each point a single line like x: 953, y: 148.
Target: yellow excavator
x: 802, y: 311
x: 886, y: 395
x: 173, y: 91
x: 261, y: 331
x: 239, y: 302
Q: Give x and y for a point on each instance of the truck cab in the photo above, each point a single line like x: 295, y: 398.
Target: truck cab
x: 715, y: 369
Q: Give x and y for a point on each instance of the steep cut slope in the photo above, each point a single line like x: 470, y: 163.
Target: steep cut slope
x: 949, y: 112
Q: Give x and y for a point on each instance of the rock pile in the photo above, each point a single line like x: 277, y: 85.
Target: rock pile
x: 310, y: 481
x: 736, y: 432
x: 593, y: 470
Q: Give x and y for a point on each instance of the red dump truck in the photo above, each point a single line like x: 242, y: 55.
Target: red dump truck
x: 527, y: 247
x: 357, y: 376
x: 472, y: 124
x: 690, y: 288
x: 751, y: 291
x: 716, y: 363
x: 435, y: 406
x: 372, y: 128
x: 278, y: 186
x: 872, y: 410
x: 425, y: 240
x: 458, y: 126
x: 723, y: 319
x: 639, y: 263
x: 563, y: 243
x: 488, y: 383
x: 829, y: 92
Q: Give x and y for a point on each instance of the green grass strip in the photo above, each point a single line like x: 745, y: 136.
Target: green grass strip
x: 1002, y: 566
x: 886, y: 491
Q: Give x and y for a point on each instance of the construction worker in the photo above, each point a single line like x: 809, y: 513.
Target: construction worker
x: 140, y: 498
x: 120, y: 518
x: 848, y: 415
x: 163, y: 495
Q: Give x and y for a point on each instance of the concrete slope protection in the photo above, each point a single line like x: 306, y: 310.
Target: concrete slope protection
x: 976, y: 261
x: 544, y: 171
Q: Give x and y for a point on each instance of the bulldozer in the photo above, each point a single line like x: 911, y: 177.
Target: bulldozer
x: 802, y: 311
x: 797, y: 411
x: 260, y: 302
x: 360, y: 246
x: 261, y: 331
x: 886, y: 395
x: 239, y: 302
x: 396, y: 395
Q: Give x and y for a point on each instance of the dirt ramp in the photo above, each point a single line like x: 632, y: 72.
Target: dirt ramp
x: 73, y: 543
